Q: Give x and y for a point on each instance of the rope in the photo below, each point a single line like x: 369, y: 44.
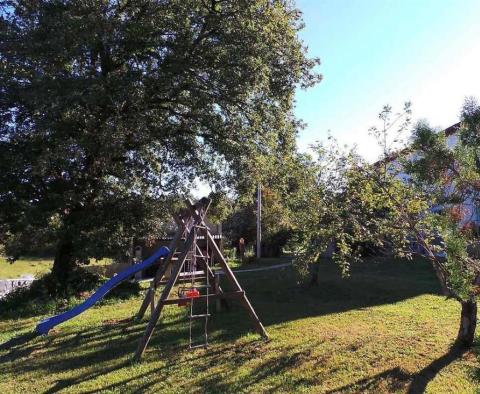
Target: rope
x: 193, y: 267
x: 207, y: 275
x: 193, y: 263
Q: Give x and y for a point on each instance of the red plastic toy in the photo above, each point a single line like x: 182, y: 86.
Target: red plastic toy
x: 187, y: 296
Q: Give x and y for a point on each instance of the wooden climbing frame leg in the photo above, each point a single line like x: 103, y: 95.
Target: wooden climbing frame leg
x: 145, y: 302
x: 244, y: 300
x: 177, y: 267
x: 149, y: 296
x: 152, y: 302
x: 151, y: 292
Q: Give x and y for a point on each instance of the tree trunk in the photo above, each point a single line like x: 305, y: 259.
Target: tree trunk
x: 468, y: 324
x: 64, y: 263
x: 314, y: 272
x: 441, y: 279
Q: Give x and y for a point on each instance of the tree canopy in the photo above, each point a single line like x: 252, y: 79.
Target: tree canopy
x: 108, y: 107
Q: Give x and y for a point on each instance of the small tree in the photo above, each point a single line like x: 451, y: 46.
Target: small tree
x: 109, y: 108
x: 451, y: 176
x: 394, y: 205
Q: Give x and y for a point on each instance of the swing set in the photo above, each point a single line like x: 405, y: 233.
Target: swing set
x: 195, y: 272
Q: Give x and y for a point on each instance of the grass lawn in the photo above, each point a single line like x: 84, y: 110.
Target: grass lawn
x: 26, y: 266
x: 384, y: 330
x: 33, y: 266
x: 36, y: 265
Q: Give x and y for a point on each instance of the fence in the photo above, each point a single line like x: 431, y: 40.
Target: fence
x: 8, y: 285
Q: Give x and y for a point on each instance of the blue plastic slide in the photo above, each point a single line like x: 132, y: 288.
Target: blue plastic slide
x: 46, y: 325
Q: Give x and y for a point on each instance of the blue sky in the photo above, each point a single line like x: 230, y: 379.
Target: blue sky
x: 377, y: 52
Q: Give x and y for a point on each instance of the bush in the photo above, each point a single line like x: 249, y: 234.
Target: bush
x: 47, y: 296
x: 22, y: 303
x: 272, y: 245
x: 124, y: 291
x: 230, y: 253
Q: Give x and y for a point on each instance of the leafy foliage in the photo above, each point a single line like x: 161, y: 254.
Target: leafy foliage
x: 354, y: 206
x: 412, y: 201
x: 111, y: 108
x: 283, y: 181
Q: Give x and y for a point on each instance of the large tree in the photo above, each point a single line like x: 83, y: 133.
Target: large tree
x: 109, y: 106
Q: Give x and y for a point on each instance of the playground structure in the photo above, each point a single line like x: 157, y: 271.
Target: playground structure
x: 142, y: 248
x: 187, y: 262
x: 192, y: 265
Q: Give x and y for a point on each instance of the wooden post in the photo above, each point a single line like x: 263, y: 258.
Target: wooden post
x: 259, y: 221
x: 152, y: 301
x: 244, y: 300
x: 164, y: 266
x: 218, y: 303
x: 164, y: 296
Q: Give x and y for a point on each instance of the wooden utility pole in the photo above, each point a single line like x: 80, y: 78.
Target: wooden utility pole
x: 259, y: 221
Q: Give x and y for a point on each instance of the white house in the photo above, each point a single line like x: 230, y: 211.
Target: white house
x: 469, y: 213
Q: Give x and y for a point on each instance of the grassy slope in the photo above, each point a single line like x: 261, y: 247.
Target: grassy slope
x: 378, y: 331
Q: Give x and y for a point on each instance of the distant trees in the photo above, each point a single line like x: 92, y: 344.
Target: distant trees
x: 353, y: 202
x: 283, y: 178
x: 276, y: 223
x: 108, y: 108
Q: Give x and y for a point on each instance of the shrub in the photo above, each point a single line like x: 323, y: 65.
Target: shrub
x: 46, y: 296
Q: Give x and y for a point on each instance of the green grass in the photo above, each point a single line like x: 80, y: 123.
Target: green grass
x: 27, y: 266
x: 237, y: 264
x: 33, y: 266
x: 384, y: 330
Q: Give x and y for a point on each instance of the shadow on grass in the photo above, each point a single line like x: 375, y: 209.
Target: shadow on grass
x: 268, y: 369
x: 18, y: 340
x: 103, y: 349
x: 277, y: 297
x: 393, y: 380
x: 427, y: 374
x: 97, y: 351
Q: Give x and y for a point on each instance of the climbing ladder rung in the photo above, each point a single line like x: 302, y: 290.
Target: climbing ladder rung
x: 191, y: 274
x: 189, y: 278
x: 200, y: 316
x: 204, y: 345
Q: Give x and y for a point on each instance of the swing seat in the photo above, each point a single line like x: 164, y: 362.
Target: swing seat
x: 187, y: 296
x: 192, y: 293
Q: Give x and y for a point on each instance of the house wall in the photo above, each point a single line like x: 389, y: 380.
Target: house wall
x: 469, y: 212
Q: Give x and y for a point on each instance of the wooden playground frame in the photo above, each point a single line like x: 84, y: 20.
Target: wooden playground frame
x: 188, y: 221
